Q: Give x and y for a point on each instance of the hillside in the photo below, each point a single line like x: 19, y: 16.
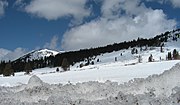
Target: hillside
x: 107, y: 66
x: 167, y: 39
x: 118, y: 75
x: 113, y: 82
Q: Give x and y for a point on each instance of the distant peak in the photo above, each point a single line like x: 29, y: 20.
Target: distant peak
x: 38, y: 54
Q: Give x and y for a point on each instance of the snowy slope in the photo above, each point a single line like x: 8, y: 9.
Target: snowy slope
x: 109, y: 82
x: 127, y: 58
x: 160, y: 89
x: 171, y: 42
x: 124, y: 69
x: 117, y: 72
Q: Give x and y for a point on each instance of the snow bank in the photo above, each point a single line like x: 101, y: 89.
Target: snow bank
x: 163, y: 89
x: 34, y: 81
x: 162, y: 85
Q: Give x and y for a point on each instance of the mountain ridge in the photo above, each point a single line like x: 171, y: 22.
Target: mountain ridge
x: 38, y: 54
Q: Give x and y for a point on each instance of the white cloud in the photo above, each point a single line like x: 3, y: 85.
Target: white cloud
x: 12, y: 55
x: 55, y: 9
x: 53, y: 44
x: 3, y: 5
x: 3, y: 52
x: 107, y: 8
x: 121, y: 20
x: 176, y: 3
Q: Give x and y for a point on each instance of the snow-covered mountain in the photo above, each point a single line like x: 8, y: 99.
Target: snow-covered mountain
x: 35, y: 54
x: 38, y: 54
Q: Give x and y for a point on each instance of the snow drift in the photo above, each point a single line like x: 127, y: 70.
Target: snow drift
x: 163, y: 89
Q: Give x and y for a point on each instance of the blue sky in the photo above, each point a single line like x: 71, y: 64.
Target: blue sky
x: 76, y: 24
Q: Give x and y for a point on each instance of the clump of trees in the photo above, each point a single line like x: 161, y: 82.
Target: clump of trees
x: 174, y: 55
x: 169, y: 56
x: 134, y: 51
x: 8, y: 70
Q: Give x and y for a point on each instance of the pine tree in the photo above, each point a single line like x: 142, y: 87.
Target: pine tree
x: 57, y: 70
x: 115, y: 58
x: 169, y: 56
x: 136, y: 51
x: 81, y: 65
x: 2, y: 66
x: 88, y: 62
x: 133, y: 51
x: 141, y: 49
x: 175, y: 54
x: 8, y: 71
x: 139, y: 59
x: 92, y: 63
x: 65, y: 65
x: 150, y: 58
x: 98, y: 60
x: 28, y: 68
x: 121, y: 54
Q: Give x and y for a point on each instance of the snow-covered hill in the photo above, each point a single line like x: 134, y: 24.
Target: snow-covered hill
x: 120, y: 66
x: 38, y: 54
x: 108, y: 82
x: 125, y: 57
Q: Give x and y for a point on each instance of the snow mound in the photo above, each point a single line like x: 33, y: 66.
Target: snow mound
x: 162, y: 85
x: 163, y: 89
x: 34, y: 81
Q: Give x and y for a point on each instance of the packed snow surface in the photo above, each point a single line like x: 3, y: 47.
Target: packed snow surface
x: 115, y: 72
